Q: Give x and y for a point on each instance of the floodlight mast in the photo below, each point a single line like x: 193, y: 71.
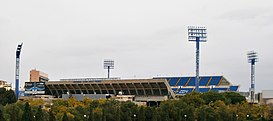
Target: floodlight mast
x: 252, y: 59
x: 17, y: 68
x: 197, y: 34
x: 108, y: 64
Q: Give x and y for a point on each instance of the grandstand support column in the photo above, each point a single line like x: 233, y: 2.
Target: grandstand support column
x: 18, y: 52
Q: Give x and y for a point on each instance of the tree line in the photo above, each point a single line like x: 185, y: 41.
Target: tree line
x: 211, y: 106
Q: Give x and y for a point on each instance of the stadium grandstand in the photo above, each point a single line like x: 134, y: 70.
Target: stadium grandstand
x: 153, y: 90
x: 184, y: 85
x: 142, y: 89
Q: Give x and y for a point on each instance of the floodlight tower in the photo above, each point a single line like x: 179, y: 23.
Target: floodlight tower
x: 252, y: 59
x: 108, y: 64
x: 197, y: 34
x: 18, y: 52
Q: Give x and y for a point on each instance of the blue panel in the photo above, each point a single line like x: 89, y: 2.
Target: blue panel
x: 174, y: 89
x: 173, y: 81
x: 204, y: 81
x: 184, y: 90
x: 182, y: 81
x: 215, y: 80
x: 218, y: 89
x: 191, y: 82
x: 202, y: 90
x: 233, y: 88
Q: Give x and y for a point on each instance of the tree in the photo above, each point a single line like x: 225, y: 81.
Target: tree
x: 65, y: 118
x: 13, y: 111
x: 117, y: 116
x: 141, y: 114
x: 206, y: 113
x: 39, y: 114
x: 149, y: 113
x: 7, y: 96
x: 1, y: 116
x: 193, y: 99
x: 234, y: 97
x: 51, y: 116
x: 91, y: 115
x: 213, y: 96
x: 27, y: 115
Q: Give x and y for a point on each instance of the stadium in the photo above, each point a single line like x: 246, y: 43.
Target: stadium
x: 141, y: 90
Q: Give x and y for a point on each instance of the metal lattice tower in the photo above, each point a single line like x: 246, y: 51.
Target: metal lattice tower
x: 18, y: 52
x: 197, y: 34
x: 252, y: 59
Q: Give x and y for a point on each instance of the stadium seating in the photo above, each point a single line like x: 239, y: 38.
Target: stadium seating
x: 183, y: 81
x: 215, y: 80
x: 233, y: 88
x: 207, y: 83
x: 184, y: 90
x: 203, y: 90
x: 172, y: 81
x: 204, y: 81
x: 191, y: 82
x: 219, y: 89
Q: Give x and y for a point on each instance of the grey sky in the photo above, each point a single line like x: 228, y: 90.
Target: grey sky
x: 146, y: 38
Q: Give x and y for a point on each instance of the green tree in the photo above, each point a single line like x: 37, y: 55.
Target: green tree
x: 91, y: 115
x: 149, y: 113
x: 155, y: 115
x: 213, y: 96
x: 1, y: 116
x: 207, y: 113
x: 223, y: 111
x: 7, y: 96
x: 27, y: 115
x: 13, y: 111
x: 194, y: 99
x: 65, y: 117
x: 141, y: 114
x: 51, y: 116
x: 128, y: 109
x: 117, y: 116
x: 234, y: 97
x: 39, y: 114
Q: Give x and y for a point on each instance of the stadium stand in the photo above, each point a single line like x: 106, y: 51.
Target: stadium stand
x: 184, y: 85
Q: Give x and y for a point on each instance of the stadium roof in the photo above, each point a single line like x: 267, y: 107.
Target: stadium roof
x: 138, y: 87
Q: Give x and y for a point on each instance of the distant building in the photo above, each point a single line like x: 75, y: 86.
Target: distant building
x: 38, y: 76
x: 4, y: 84
x: 267, y: 97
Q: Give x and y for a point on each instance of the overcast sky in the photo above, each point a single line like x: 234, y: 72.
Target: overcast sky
x: 146, y: 38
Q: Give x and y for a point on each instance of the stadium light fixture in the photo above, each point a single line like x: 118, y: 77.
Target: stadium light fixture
x: 252, y: 59
x: 18, y: 53
x: 197, y: 34
x: 108, y: 64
